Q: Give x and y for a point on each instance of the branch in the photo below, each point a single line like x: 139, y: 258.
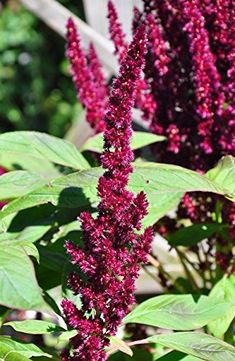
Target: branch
x: 56, y: 15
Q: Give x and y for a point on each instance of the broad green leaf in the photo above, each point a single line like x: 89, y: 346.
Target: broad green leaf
x: 172, y: 178
x: 18, y: 350
x: 18, y: 161
x: 197, y: 344
x: 42, y: 146
x: 176, y: 312
x: 223, y: 291
x: 34, y: 327
x: 70, y: 191
x: 8, y: 354
x: 5, y: 223
x: 28, y: 234
x: 18, y: 183
x: 65, y: 229
x: 164, y: 185
x: 117, y: 344
x: 159, y: 204
x: 65, y: 336
x: 18, y: 285
x: 224, y: 175
x: 30, y: 249
x: 189, y: 236
x: 139, y: 140
x: 33, y: 233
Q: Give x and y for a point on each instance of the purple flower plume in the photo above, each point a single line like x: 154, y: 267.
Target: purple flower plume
x: 116, y: 32
x: 144, y: 99
x: 88, y: 78
x: 113, y: 249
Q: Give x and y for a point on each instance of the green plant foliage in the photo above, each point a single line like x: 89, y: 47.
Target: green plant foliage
x: 197, y: 344
x: 18, y: 285
x: 21, y: 183
x: 42, y: 146
x: 224, y: 290
x: 48, y: 184
x: 176, y: 312
x: 13, y: 350
x: 224, y: 175
x: 34, y: 327
x: 116, y: 344
x: 36, y: 94
x: 164, y: 185
x: 189, y: 236
x: 139, y: 140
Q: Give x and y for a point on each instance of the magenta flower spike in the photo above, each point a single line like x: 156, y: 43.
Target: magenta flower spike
x: 85, y: 79
x: 97, y: 73
x: 116, y: 32
x: 209, y: 95
x: 157, y: 45
x: 113, y: 250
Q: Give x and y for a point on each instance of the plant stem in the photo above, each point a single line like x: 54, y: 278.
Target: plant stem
x: 187, y: 272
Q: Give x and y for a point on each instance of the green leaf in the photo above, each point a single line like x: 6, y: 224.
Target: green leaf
x: 17, y: 161
x: 117, y: 344
x: 42, y: 146
x: 176, y: 312
x: 28, y: 234
x: 67, y: 335
x: 33, y: 233
x: 66, y: 229
x: 139, y: 140
x: 18, y: 183
x: 224, y: 175
x: 163, y: 184
x: 30, y: 249
x: 197, y: 344
x: 223, y: 291
x: 171, y: 178
x: 18, y: 285
x: 7, y: 354
x: 34, y: 327
x: 189, y: 236
x: 70, y: 191
x: 12, y: 350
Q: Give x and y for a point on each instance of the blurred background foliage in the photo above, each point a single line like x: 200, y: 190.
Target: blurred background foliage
x: 36, y: 91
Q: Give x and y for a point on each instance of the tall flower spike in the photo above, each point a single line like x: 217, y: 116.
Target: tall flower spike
x: 227, y: 139
x: 116, y: 32
x: 157, y: 45
x: 136, y: 21
x: 144, y: 99
x: 83, y: 79
x: 97, y: 73
x: 112, y: 248
x: 207, y: 79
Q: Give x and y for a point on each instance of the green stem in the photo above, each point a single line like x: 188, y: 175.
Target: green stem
x: 187, y: 272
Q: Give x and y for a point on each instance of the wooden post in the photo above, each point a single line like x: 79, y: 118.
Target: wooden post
x: 56, y: 15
